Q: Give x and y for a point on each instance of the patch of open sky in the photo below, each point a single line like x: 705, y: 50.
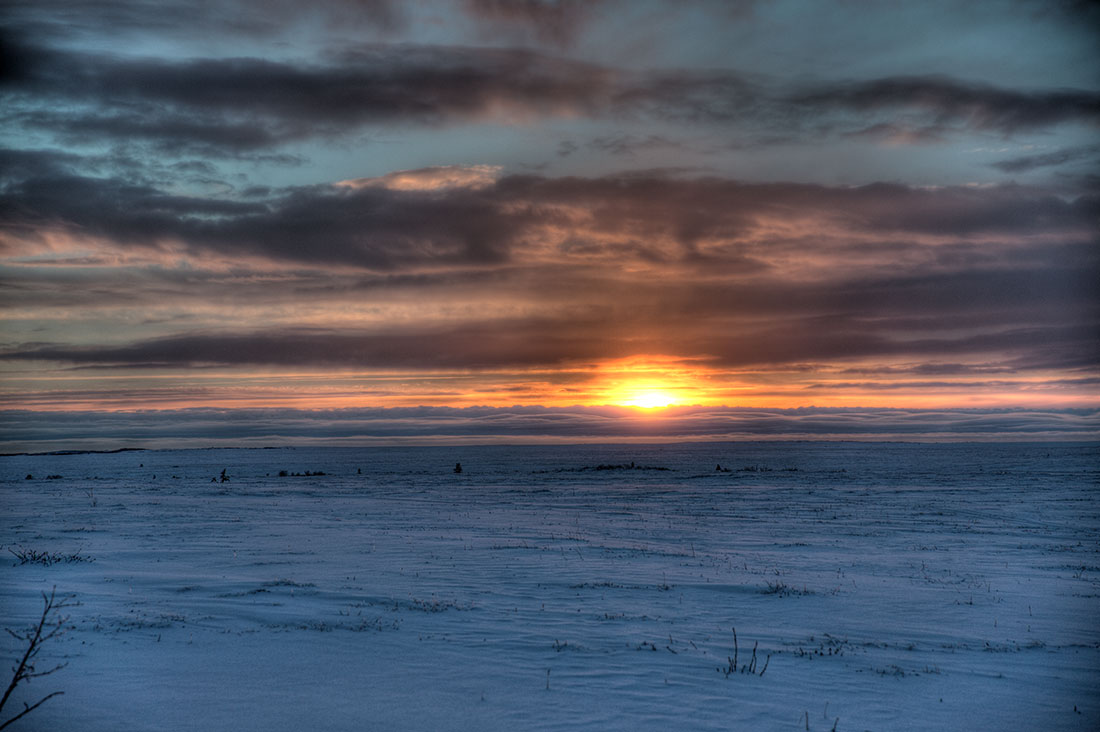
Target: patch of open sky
x: 868, y: 40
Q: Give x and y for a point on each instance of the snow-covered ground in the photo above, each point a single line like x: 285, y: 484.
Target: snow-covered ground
x: 882, y: 586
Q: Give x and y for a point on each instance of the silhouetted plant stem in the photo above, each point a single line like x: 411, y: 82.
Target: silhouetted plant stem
x: 44, y: 630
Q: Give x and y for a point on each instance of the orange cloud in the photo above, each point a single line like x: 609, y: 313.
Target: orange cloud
x: 435, y: 178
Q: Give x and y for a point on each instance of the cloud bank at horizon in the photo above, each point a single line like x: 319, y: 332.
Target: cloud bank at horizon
x: 38, y: 431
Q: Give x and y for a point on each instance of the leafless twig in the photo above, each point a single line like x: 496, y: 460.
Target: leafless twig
x: 50, y: 625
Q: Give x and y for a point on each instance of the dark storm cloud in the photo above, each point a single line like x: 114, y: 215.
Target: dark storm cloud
x: 246, y: 103
x: 704, y: 222
x: 111, y: 207
x: 948, y: 100
x: 227, y: 105
x: 22, y: 164
x: 26, y: 430
x: 373, y: 227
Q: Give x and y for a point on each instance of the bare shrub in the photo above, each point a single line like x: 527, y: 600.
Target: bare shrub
x: 50, y: 625
x: 39, y: 556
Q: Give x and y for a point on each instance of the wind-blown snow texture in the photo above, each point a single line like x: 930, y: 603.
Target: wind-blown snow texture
x: 893, y: 586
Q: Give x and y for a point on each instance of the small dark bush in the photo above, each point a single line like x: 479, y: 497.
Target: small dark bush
x: 35, y: 556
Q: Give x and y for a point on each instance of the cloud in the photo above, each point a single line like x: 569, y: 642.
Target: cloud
x: 1054, y: 158
x: 456, y: 267
x: 189, y: 20
x: 466, y: 216
x: 371, y: 227
x: 952, y: 101
x: 554, y: 22
x: 627, y: 144
x: 465, y: 345
x: 721, y: 334
x: 234, y: 104
x: 16, y: 165
x: 435, y: 178
x: 230, y: 106
x: 551, y: 21
x: 480, y: 425
x: 901, y: 134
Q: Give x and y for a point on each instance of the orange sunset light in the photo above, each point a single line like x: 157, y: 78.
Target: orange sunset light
x: 651, y: 399
x: 651, y: 381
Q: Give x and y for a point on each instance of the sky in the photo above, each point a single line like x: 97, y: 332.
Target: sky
x: 642, y: 219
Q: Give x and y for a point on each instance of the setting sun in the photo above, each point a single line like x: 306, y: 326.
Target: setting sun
x: 651, y: 400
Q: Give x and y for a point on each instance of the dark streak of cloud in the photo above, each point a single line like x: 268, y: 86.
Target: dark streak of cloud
x: 243, y: 104
x: 947, y: 100
x: 248, y: 103
x: 171, y: 428
x: 1054, y: 158
x: 376, y: 228
x: 628, y: 145
x: 547, y: 342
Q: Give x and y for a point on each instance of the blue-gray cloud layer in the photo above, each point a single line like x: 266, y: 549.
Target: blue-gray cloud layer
x: 232, y: 105
x: 31, y: 431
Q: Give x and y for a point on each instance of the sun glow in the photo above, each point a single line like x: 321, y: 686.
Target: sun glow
x: 650, y: 400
